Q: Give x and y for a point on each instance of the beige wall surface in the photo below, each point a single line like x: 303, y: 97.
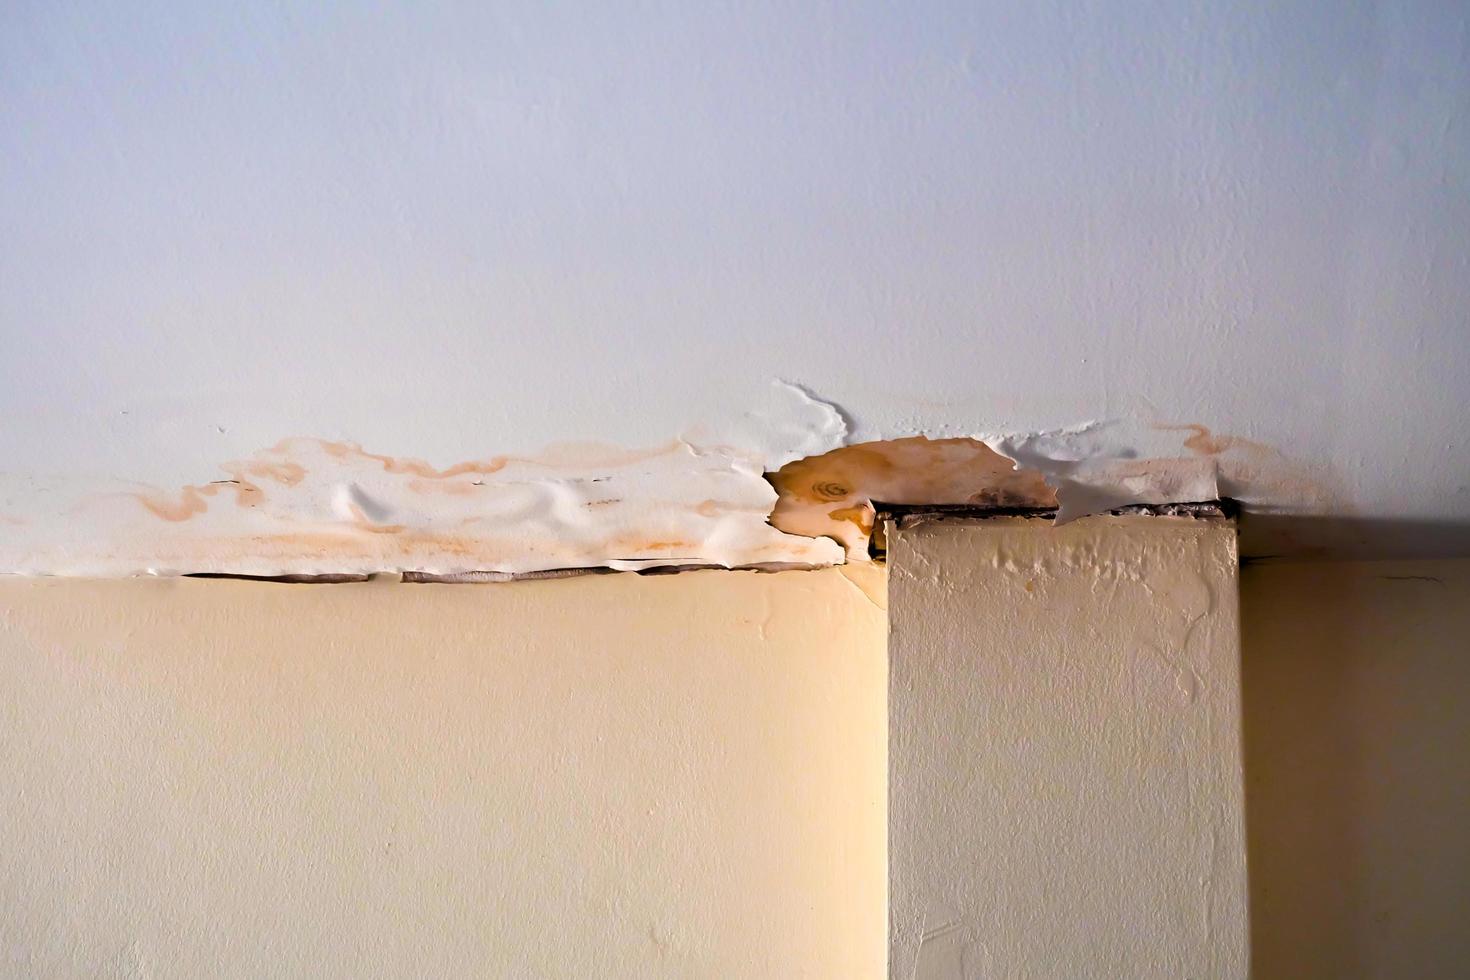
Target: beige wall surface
x: 1065, y: 786
x: 609, y: 776
x: 1357, y: 733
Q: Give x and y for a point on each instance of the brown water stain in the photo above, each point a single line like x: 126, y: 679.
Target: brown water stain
x: 572, y: 454
x: 285, y: 473
x: 354, y: 542
x: 406, y: 465
x: 636, y: 545
x: 1203, y: 442
x: 283, y: 465
x: 1263, y: 475
x: 300, y: 517
x: 245, y: 478
x: 832, y: 495
x: 193, y: 499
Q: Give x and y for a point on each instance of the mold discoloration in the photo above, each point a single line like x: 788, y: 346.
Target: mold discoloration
x: 832, y: 495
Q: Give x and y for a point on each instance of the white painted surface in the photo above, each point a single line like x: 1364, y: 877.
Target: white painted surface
x: 314, y: 507
x: 609, y: 776
x: 1357, y: 719
x: 450, y: 231
x: 1065, y: 788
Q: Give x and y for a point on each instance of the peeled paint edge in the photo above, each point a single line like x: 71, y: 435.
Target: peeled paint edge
x: 787, y: 423
x: 776, y: 489
x: 1099, y: 467
x: 313, y: 507
x: 837, y: 494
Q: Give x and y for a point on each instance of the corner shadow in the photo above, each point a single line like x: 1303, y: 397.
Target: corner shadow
x: 1305, y: 538
x: 1356, y: 713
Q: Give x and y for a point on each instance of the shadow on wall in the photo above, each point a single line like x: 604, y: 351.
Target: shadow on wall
x: 1357, y: 726
x: 1267, y: 536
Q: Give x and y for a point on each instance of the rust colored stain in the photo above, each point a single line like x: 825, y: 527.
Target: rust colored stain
x: 189, y: 503
x: 285, y: 473
x: 861, y: 515
x: 642, y: 546
x: 1251, y: 468
x: 407, y: 465
x: 1203, y: 442
x: 192, y: 500
x: 276, y: 465
x: 715, y: 508
x: 244, y: 474
x: 312, y: 503
x: 347, y: 542
x: 456, y: 488
x: 832, y: 495
x: 582, y: 454
x: 544, y: 505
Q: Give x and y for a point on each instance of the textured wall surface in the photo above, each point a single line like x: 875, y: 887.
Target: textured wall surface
x: 612, y: 776
x: 454, y: 230
x: 1065, y: 789
x: 1357, y: 738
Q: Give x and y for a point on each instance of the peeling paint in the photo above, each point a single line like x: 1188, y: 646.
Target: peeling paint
x: 776, y: 488
x: 833, y: 494
x: 332, y: 507
x: 313, y: 507
x: 1100, y: 466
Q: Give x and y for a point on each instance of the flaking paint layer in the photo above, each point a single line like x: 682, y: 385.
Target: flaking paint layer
x: 833, y: 494
x: 777, y: 487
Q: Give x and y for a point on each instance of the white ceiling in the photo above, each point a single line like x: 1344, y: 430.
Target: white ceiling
x: 451, y: 230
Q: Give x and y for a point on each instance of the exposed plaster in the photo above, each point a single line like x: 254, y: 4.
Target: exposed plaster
x: 775, y: 488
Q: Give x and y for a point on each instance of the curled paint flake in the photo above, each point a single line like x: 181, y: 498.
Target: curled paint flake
x: 777, y: 487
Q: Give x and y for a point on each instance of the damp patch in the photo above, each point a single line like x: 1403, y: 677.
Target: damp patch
x: 779, y: 487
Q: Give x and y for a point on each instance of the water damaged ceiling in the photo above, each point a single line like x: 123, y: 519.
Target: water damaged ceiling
x: 781, y: 486
x: 315, y: 287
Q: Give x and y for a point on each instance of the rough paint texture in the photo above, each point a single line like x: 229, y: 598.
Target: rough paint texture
x: 1065, y: 789
x: 601, y: 777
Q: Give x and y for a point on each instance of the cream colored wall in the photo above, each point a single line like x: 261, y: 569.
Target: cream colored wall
x: 611, y: 776
x: 1064, y: 754
x: 684, y: 775
x: 1357, y: 711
